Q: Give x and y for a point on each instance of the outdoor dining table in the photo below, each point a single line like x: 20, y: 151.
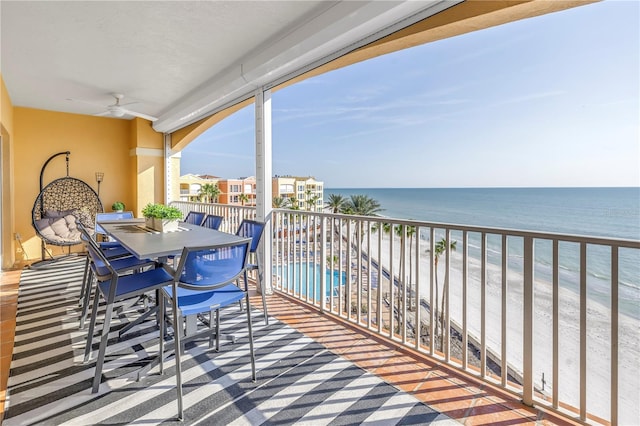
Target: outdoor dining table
x: 146, y: 243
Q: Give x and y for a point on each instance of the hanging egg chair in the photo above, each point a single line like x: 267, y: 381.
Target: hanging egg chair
x: 59, y: 207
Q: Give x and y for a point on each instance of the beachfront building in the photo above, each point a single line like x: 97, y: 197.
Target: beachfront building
x: 191, y: 184
x: 303, y: 192
x: 238, y: 192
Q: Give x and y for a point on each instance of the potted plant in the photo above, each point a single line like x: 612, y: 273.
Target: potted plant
x: 150, y: 212
x: 118, y: 206
x: 161, y: 218
x: 170, y: 216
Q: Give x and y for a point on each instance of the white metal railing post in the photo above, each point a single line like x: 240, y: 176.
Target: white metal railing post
x: 323, y: 266
x: 527, y: 335
x: 332, y: 262
x: 614, y: 334
x: 402, y: 284
x: 380, y: 276
x: 359, y: 230
x: 483, y: 305
x: 465, y: 273
x: 418, y: 319
x: 583, y: 331
x: 347, y: 299
x: 446, y: 320
x: 556, y: 324
x: 503, y: 337
x: 433, y: 327
x: 392, y: 281
x: 369, y: 276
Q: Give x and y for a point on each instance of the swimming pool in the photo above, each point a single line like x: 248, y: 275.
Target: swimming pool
x: 307, y: 275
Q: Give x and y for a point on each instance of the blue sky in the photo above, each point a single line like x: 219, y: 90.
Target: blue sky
x: 548, y: 101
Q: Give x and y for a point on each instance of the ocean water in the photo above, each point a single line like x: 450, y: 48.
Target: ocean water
x: 596, y: 212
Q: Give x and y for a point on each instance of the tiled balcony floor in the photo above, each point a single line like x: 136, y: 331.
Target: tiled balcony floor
x: 468, y: 401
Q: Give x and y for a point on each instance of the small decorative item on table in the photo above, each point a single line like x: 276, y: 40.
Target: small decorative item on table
x: 161, y: 218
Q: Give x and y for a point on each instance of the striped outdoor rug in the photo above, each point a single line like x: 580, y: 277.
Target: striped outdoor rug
x: 299, y: 381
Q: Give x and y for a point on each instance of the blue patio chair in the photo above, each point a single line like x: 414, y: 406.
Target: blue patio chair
x: 111, y: 249
x: 114, y: 287
x: 206, y: 280
x: 254, y: 229
x: 111, y: 216
x: 120, y: 264
x: 212, y: 221
x: 195, y: 218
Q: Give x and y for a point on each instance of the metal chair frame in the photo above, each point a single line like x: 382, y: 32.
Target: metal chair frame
x: 195, y: 217
x: 121, y: 262
x: 212, y: 221
x: 182, y: 280
x: 114, y: 287
x: 247, y: 229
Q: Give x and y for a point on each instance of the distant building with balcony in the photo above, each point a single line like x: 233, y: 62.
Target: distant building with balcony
x: 305, y: 192
x: 239, y: 192
x: 190, y: 185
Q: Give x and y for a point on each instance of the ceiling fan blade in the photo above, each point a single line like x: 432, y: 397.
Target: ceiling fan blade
x: 139, y: 114
x: 103, y: 114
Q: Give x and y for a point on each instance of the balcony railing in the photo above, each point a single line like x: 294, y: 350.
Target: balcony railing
x: 232, y: 214
x: 550, y: 318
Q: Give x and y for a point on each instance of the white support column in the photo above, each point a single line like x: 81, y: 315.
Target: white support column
x: 264, y: 173
x: 168, y: 175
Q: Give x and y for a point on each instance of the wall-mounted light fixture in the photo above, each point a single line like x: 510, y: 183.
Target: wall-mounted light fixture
x: 99, y: 179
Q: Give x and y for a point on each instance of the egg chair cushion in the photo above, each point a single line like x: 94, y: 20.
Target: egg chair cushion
x: 58, y: 229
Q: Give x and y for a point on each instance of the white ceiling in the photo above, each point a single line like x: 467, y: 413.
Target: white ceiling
x: 179, y: 60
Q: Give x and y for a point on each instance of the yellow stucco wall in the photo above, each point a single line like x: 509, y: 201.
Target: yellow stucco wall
x: 6, y: 158
x: 147, y: 152
x: 97, y: 144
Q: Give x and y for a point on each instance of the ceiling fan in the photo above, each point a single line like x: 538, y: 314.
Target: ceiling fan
x: 117, y: 109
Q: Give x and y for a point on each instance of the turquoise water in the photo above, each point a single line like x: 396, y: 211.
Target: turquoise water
x: 296, y: 275
x: 600, y: 212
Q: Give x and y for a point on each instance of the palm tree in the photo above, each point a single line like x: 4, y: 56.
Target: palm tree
x: 312, y: 200
x: 386, y: 227
x: 333, y: 261
x: 280, y: 202
x: 209, y: 192
x: 335, y: 202
x: 243, y: 198
x: 404, y: 231
x: 361, y: 205
x: 439, y: 249
x: 293, y: 203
